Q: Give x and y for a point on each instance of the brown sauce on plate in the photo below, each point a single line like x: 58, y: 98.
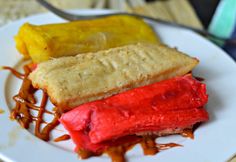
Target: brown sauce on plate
x: 117, y: 153
x: 26, y: 101
x: 188, y: 133
x: 85, y: 154
x: 150, y: 147
x: 62, y: 138
x: 14, y: 72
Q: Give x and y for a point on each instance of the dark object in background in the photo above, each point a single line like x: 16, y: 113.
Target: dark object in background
x: 204, y: 9
x: 229, y: 48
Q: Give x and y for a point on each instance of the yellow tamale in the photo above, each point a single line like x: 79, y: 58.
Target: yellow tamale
x: 42, y: 42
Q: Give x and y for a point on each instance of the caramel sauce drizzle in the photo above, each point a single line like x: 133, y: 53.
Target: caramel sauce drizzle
x: 187, y: 133
x: 117, y: 153
x: 21, y: 111
x: 14, y: 72
x: 62, y: 138
x: 44, y: 135
x: 167, y: 146
x: 26, y: 101
x: 149, y: 145
x: 30, y: 105
x: 85, y: 154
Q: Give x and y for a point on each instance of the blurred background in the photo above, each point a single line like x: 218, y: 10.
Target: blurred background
x: 216, y: 16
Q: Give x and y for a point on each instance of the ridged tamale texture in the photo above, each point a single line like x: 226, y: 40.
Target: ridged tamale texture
x: 71, y: 81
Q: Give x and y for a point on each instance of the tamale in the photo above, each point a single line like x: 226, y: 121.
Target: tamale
x: 42, y: 42
x: 71, y: 81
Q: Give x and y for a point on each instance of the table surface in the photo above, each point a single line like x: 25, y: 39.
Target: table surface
x: 171, y: 10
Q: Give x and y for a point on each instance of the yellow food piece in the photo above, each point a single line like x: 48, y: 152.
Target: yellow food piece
x: 67, y: 39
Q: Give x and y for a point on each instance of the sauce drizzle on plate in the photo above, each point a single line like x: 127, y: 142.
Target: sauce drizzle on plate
x: 62, y: 138
x: 26, y: 101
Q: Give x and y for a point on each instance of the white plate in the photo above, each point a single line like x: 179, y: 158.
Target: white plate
x: 214, y: 141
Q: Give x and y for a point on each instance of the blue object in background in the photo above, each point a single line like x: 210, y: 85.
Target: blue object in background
x: 223, y: 24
